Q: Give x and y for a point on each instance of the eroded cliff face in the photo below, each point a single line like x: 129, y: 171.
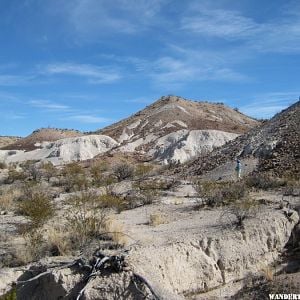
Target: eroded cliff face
x: 179, y: 264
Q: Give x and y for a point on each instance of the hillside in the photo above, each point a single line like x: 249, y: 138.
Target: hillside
x: 41, y: 135
x: 178, y: 129
x: 276, y: 145
x: 7, y: 140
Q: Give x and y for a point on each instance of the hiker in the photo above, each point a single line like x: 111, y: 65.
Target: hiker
x: 238, y: 169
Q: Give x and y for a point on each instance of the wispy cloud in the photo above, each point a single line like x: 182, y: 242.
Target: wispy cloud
x: 92, y: 18
x: 268, y: 104
x: 45, y: 104
x: 184, y: 65
x: 87, y: 119
x: 94, y: 74
x: 220, y: 23
x: 279, y: 35
x: 14, y: 80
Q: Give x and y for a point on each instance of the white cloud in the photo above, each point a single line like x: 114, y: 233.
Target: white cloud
x: 94, y: 74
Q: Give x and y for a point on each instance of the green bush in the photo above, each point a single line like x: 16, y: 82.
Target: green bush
x: 74, y: 177
x: 216, y: 194
x: 37, y: 206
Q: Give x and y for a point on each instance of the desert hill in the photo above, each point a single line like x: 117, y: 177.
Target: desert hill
x: 7, y: 140
x: 174, y: 128
x: 41, y: 135
x: 275, y: 144
x: 171, y: 129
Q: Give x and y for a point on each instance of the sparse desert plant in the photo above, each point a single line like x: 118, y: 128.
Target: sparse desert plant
x: 87, y: 217
x: 48, y: 170
x: 238, y: 211
x: 216, y: 194
x: 157, y: 219
x: 31, y: 170
x: 123, y: 171
x: 264, y: 181
x: 109, y: 200
x: 37, y: 206
x: 7, y: 198
x: 58, y: 241
x: 115, y: 230
x: 14, y: 175
x: 141, y: 170
x: 33, y: 248
x: 74, y: 177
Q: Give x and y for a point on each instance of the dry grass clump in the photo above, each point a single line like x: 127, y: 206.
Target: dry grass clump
x: 115, y: 230
x: 157, y: 219
x: 59, y: 241
x: 7, y: 199
x: 268, y: 273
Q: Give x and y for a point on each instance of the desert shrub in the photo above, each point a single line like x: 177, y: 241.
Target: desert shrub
x: 142, y: 170
x: 3, y: 165
x: 109, y: 200
x: 37, y: 206
x: 217, y: 194
x: 14, y: 175
x: 155, y: 184
x: 123, y: 171
x: 48, y: 170
x: 86, y: 218
x: 31, y: 170
x: 238, y: 211
x: 74, y: 177
x: 263, y: 181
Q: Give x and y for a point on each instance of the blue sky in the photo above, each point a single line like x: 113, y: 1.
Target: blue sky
x: 84, y: 64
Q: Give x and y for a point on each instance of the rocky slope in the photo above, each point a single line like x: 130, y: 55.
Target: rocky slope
x: 173, y: 128
x: 34, y: 140
x: 275, y: 144
x: 63, y: 151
